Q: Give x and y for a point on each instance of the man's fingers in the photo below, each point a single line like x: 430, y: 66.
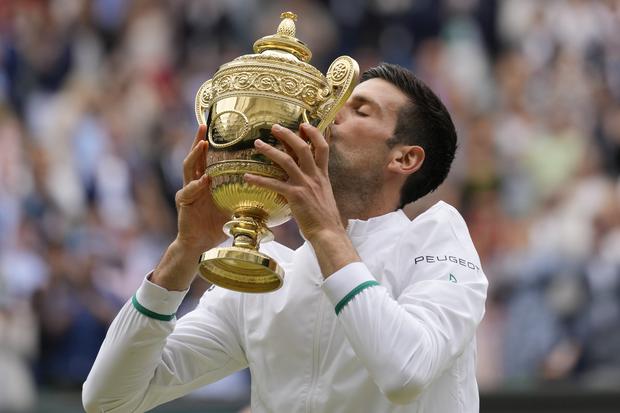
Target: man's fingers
x: 192, y: 191
x: 321, y: 148
x: 269, y: 183
x: 194, y: 163
x: 201, y: 133
x: 279, y: 157
x: 299, y: 147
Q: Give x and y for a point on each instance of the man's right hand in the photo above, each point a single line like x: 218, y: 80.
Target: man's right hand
x: 200, y: 222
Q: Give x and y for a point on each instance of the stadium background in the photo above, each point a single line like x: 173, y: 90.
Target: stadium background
x: 96, y: 116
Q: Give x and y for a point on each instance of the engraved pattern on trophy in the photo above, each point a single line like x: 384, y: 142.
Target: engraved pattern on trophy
x: 240, y: 104
x: 288, y: 86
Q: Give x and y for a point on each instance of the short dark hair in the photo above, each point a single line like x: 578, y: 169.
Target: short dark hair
x: 425, y: 122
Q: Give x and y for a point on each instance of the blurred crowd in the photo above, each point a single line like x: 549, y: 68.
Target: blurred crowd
x: 96, y: 116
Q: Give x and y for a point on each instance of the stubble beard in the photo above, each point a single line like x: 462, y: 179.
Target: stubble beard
x: 355, y: 187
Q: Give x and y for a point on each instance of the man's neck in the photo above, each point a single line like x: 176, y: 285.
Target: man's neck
x: 351, y: 208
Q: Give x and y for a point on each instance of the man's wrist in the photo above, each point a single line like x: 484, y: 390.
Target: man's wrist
x: 334, y: 250
x: 192, y: 247
x: 328, y: 236
x: 178, y: 266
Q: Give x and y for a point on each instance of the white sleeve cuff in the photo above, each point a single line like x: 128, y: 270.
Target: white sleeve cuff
x: 341, y: 283
x: 157, y: 299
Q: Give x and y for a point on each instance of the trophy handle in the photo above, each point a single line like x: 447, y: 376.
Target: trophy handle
x: 203, y: 102
x: 342, y: 76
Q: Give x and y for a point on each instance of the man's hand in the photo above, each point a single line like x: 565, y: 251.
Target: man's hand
x: 309, y: 194
x: 199, y: 222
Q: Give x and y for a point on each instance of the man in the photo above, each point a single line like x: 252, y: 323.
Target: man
x: 377, y: 313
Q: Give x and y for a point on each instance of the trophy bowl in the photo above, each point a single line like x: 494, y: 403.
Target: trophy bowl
x: 240, y: 104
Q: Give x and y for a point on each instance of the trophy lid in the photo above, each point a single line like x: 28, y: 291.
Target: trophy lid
x: 285, y: 39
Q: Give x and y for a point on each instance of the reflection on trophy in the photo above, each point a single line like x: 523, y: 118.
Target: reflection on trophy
x: 239, y: 104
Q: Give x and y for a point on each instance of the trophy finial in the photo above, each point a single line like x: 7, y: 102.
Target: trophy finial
x: 287, y: 25
x: 284, y: 39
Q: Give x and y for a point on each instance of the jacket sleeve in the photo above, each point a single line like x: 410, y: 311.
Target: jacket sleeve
x: 149, y: 358
x: 406, y: 342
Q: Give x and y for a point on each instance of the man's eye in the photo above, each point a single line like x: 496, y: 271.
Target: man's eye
x: 360, y: 113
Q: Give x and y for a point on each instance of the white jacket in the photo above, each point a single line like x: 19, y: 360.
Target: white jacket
x: 402, y: 341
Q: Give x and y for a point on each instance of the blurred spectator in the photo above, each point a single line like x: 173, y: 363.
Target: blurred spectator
x: 601, y: 361
x: 73, y: 318
x: 18, y: 347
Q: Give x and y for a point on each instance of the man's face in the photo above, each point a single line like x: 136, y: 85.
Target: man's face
x: 358, y: 151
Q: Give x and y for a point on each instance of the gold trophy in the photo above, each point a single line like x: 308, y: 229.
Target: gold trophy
x: 239, y: 104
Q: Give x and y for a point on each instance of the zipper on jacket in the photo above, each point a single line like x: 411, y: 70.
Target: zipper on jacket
x: 316, y: 348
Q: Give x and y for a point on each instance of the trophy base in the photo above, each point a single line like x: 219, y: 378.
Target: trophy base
x: 241, y: 269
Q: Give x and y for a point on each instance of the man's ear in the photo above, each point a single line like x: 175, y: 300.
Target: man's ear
x: 406, y: 159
